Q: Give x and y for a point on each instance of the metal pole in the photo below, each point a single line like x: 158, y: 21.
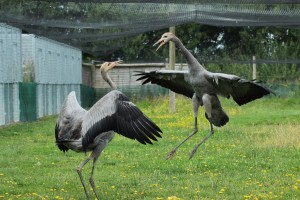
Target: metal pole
x: 254, y: 68
x: 93, y: 73
x: 172, y: 107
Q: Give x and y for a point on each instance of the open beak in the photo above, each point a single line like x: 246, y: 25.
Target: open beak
x: 115, y: 63
x: 161, y: 41
x: 118, y: 62
x: 105, y: 67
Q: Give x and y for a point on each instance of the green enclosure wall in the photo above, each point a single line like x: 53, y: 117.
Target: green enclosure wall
x: 135, y: 92
x: 88, y: 96
x: 27, y: 96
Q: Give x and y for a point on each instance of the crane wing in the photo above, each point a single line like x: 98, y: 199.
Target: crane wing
x: 241, y: 90
x: 114, y: 112
x: 68, y: 125
x: 174, y: 80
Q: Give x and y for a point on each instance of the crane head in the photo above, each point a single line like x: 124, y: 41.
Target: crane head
x: 105, y: 67
x: 165, y: 38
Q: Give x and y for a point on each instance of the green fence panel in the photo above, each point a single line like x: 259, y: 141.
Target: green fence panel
x: 27, y: 95
x: 135, y: 92
x: 87, y: 96
x: 286, y: 90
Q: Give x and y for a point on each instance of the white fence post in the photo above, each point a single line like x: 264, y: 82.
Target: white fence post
x: 172, y: 107
x: 254, y: 73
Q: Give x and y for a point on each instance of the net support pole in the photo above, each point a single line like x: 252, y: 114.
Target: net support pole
x: 254, y: 68
x: 172, y: 107
x: 93, y: 74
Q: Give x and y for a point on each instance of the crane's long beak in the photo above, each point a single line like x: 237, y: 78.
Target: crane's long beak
x: 115, y: 63
x: 161, y: 41
x: 105, y: 67
x: 118, y: 62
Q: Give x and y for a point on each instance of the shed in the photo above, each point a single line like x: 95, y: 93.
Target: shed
x: 55, y: 67
x: 10, y: 73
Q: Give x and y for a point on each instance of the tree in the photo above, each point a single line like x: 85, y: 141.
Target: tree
x: 225, y: 49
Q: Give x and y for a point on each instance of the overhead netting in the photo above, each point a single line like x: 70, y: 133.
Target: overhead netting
x: 101, y: 27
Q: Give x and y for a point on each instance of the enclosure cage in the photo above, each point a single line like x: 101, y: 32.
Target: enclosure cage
x: 47, y: 56
x: 36, y: 75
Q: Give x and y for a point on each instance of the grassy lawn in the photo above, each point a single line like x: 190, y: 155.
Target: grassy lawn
x: 255, y: 156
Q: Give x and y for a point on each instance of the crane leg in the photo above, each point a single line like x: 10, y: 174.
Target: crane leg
x: 196, y: 102
x: 203, y: 140
x: 172, y: 153
x: 79, y: 171
x: 95, y: 154
x: 92, y: 179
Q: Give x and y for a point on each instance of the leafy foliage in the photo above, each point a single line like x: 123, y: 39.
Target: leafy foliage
x: 227, y: 49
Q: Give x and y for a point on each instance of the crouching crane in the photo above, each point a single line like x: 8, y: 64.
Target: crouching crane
x: 81, y: 130
x: 203, y: 87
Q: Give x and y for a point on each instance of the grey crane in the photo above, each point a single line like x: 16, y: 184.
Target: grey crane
x: 203, y: 87
x: 82, y: 131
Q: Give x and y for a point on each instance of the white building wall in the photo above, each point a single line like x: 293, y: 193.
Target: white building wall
x: 2, y: 104
x: 10, y: 54
x: 58, y: 71
x: 54, y: 62
x: 10, y: 73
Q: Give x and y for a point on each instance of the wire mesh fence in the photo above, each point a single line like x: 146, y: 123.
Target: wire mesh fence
x: 87, y: 96
x: 99, y: 27
x: 135, y: 92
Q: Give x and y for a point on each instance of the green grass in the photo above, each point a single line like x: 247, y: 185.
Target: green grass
x: 255, y: 156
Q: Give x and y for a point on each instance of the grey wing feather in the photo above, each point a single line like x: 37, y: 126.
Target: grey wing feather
x: 68, y: 126
x: 174, y: 80
x: 114, y: 112
x: 241, y: 90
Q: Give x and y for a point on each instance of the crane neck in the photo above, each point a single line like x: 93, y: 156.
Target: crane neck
x: 194, y: 65
x: 105, y: 76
